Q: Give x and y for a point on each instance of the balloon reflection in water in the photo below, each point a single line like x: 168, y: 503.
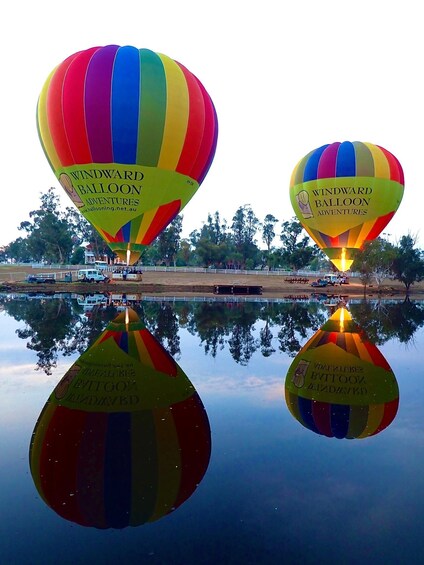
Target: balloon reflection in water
x: 339, y: 384
x: 124, y: 438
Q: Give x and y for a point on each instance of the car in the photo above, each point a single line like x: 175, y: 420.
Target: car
x: 92, y: 275
x: 332, y: 278
x: 320, y: 283
x: 336, y: 278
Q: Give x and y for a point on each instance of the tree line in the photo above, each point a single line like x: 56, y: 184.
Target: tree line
x: 54, y: 235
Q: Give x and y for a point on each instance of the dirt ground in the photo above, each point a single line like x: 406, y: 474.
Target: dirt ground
x: 158, y: 282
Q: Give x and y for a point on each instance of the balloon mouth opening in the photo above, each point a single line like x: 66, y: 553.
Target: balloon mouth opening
x: 129, y: 253
x: 341, y: 257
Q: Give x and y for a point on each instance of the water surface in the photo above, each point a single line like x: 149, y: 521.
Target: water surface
x: 210, y: 432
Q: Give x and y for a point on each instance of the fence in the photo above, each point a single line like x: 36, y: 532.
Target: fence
x: 62, y: 269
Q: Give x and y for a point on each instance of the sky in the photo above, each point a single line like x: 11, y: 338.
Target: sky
x: 285, y: 78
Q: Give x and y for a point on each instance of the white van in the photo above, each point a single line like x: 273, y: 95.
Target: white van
x: 336, y: 278
x: 92, y: 275
x: 332, y: 278
x: 88, y: 302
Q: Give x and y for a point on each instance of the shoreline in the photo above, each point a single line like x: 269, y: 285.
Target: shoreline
x: 203, y: 284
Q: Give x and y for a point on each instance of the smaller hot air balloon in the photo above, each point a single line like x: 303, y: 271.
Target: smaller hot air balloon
x: 124, y: 438
x: 130, y: 134
x: 345, y: 194
x: 340, y: 385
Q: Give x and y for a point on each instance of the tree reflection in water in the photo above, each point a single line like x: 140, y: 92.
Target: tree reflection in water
x: 50, y: 327
x: 382, y: 320
x: 58, y: 324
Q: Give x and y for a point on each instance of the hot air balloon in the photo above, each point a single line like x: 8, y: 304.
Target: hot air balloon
x: 340, y: 385
x: 345, y: 194
x: 130, y: 134
x: 124, y: 438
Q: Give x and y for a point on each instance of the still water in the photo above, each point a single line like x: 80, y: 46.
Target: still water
x: 178, y: 432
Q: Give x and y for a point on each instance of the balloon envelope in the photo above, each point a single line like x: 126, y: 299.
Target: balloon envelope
x: 130, y: 135
x: 340, y: 385
x: 124, y: 438
x: 345, y: 194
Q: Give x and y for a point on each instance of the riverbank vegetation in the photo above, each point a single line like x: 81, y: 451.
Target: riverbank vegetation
x: 54, y: 235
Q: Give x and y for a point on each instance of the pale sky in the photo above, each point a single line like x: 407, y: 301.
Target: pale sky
x: 285, y: 78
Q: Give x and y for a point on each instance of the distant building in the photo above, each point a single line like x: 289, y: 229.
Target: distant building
x: 89, y: 256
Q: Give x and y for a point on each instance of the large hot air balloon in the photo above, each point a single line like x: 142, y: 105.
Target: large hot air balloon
x: 124, y: 438
x: 340, y: 385
x: 130, y: 134
x: 345, y: 194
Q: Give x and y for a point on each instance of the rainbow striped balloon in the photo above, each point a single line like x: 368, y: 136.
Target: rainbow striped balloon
x: 124, y: 438
x: 340, y: 385
x: 130, y: 135
x: 345, y: 194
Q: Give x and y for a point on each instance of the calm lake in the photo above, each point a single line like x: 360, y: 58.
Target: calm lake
x: 136, y: 430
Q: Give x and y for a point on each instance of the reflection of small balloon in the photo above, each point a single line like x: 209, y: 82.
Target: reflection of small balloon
x: 340, y: 385
x: 135, y: 132
x: 124, y: 438
x: 354, y: 190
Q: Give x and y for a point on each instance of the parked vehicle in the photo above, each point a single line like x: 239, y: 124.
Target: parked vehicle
x: 89, y: 302
x: 48, y: 278
x: 92, y: 275
x: 332, y: 278
x: 320, y: 283
x: 336, y: 278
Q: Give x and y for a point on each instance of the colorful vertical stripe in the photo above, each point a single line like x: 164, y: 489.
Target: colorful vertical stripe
x: 347, y: 159
x: 126, y: 105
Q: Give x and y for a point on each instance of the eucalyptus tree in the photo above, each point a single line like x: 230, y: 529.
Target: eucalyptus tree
x: 48, y: 234
x: 268, y: 233
x: 408, y: 264
x: 297, y: 251
x: 244, y: 228
x: 168, y: 241
x: 374, y: 261
x: 210, y: 242
x: 84, y: 233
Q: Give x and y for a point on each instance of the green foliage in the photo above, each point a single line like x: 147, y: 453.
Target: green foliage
x: 166, y: 246
x: 297, y: 251
x: 268, y: 235
x: 78, y: 256
x: 49, y: 238
x: 55, y: 236
x: 244, y: 229
x: 374, y: 261
x: 211, y: 243
x: 408, y: 264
